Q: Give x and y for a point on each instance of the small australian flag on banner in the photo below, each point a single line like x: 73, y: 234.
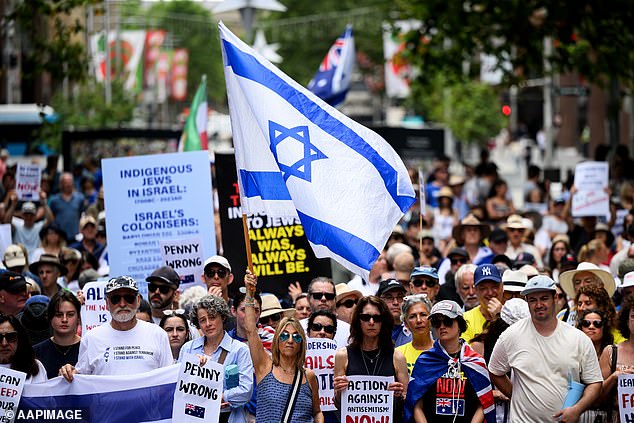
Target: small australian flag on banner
x: 195, y: 411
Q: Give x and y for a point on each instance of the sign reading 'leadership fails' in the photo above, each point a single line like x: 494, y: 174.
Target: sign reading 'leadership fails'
x: 156, y: 198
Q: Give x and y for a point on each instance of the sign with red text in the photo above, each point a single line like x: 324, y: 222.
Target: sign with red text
x: 591, y: 183
x: 27, y: 182
x: 94, y: 311
x: 320, y: 358
x: 367, y: 400
x: 11, y: 385
x: 625, y: 397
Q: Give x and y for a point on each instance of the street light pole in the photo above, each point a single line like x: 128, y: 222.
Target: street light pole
x: 548, y: 103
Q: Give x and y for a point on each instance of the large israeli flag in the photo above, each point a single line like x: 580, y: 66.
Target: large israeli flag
x: 298, y: 156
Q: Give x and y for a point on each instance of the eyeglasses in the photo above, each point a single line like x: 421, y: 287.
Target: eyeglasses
x: 515, y: 229
x: 116, y: 299
x: 587, y: 323
x: 430, y: 283
x: 11, y: 337
x: 391, y: 298
x: 319, y: 295
x: 163, y: 289
x: 458, y: 261
x: 271, y: 318
x: 297, y: 338
x: 317, y: 327
x: 220, y: 272
x: 377, y: 318
x: 347, y: 303
x: 436, y: 322
x: 177, y: 312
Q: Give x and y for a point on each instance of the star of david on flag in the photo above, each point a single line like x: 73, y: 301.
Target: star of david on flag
x: 297, y: 156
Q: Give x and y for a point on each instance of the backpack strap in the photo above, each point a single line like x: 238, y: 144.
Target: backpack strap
x: 292, y: 397
x: 615, y: 350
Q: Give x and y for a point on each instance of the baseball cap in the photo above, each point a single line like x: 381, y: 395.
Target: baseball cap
x: 87, y: 220
x: 12, y: 281
x: 522, y: 259
x: 165, y: 274
x: 424, y: 271
x: 447, y: 308
x: 120, y: 283
x: 388, y: 285
x: 498, y: 235
x: 29, y: 207
x: 458, y: 252
x: 14, y: 256
x: 514, y: 280
x: 568, y: 262
x: 539, y: 283
x: 486, y: 272
x: 218, y: 260
x: 502, y: 258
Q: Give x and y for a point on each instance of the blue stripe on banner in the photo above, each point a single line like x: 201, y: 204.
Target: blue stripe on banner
x: 139, y: 405
x: 267, y: 185
x: 344, y: 244
x: 248, y: 67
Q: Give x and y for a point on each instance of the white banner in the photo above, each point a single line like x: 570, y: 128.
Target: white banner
x: 11, y: 385
x: 94, y: 311
x: 367, y: 399
x: 27, y: 182
x: 626, y: 397
x: 198, y: 391
x: 186, y: 258
x: 153, y: 199
x: 591, y: 182
x: 320, y: 358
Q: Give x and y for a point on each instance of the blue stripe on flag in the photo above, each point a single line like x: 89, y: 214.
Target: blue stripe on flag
x: 267, y: 185
x: 139, y: 405
x: 352, y: 248
x: 248, y: 67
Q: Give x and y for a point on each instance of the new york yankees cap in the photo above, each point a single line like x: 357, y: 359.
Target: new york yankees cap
x: 486, y: 272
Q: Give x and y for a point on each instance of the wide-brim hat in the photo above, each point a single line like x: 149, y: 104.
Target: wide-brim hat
x: 565, y: 279
x: 344, y: 291
x: 470, y: 220
x: 271, y: 305
x: 445, y: 192
x: 50, y: 259
x: 515, y: 221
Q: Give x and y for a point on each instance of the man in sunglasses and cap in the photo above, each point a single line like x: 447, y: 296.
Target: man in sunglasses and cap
x: 162, y: 291
x: 545, y: 354
x: 125, y: 345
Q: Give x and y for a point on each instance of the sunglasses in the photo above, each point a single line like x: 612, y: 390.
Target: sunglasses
x: 458, y: 261
x: 319, y: 295
x: 347, y: 303
x: 163, y: 289
x: 177, y: 312
x: 561, y: 296
x: 436, y: 322
x: 317, y: 327
x: 11, y: 337
x: 430, y: 283
x: 587, y: 323
x: 220, y: 272
x: 297, y: 338
x: 377, y: 318
x: 129, y: 298
x: 515, y: 230
x: 272, y: 318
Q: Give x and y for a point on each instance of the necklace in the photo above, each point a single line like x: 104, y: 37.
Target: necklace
x: 372, y: 361
x: 63, y: 350
x: 287, y: 371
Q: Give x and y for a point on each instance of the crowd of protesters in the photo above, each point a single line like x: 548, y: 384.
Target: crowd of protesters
x: 477, y: 307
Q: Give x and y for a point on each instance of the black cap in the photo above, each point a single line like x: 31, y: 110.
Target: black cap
x: 12, y: 281
x: 568, y: 262
x: 502, y: 258
x: 388, y: 285
x: 458, y: 252
x: 522, y: 259
x: 166, y: 275
x: 498, y: 235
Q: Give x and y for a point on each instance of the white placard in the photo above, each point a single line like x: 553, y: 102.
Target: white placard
x: 27, y: 182
x: 367, y: 399
x: 198, y: 391
x: 186, y: 258
x: 11, y: 385
x: 626, y: 397
x: 152, y: 199
x: 94, y: 311
x: 591, y: 182
x: 5, y: 236
x: 320, y: 358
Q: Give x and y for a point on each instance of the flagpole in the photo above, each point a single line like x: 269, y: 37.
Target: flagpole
x: 247, y: 241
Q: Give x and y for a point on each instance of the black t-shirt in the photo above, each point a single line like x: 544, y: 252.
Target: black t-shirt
x: 54, y: 356
x: 446, y: 397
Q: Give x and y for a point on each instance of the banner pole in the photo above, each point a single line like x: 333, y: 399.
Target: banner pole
x: 247, y: 241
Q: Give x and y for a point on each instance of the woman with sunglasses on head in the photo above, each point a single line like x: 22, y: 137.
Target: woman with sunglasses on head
x: 286, y: 391
x: 16, y: 352
x: 415, y: 312
x: 447, y: 377
x: 176, y: 324
x: 371, y: 351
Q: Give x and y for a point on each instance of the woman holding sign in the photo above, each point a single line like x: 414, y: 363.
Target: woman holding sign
x: 286, y: 391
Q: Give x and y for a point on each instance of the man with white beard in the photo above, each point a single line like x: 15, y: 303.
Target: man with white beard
x: 125, y: 345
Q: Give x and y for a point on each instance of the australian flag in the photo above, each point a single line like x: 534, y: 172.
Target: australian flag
x: 332, y: 80
x: 194, y: 411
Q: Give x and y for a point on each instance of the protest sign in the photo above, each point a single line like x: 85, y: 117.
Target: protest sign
x: 186, y: 258
x: 280, y: 251
x: 5, y: 236
x: 198, y: 391
x: 154, y: 198
x: 591, y: 182
x: 27, y: 182
x: 11, y: 385
x: 94, y: 311
x: 367, y: 400
x: 626, y: 397
x: 320, y: 358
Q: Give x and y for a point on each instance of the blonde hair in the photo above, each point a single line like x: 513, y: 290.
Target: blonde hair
x: 275, y: 348
x: 590, y: 249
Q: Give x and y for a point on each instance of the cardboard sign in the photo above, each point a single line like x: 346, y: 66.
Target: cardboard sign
x: 186, y: 258
x: 27, y: 182
x: 591, y: 182
x: 153, y: 199
x: 198, y: 391
x: 625, y: 397
x: 367, y: 400
x: 11, y: 385
x: 320, y: 358
x: 94, y: 311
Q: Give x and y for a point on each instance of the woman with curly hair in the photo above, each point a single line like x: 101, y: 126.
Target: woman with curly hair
x: 592, y: 297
